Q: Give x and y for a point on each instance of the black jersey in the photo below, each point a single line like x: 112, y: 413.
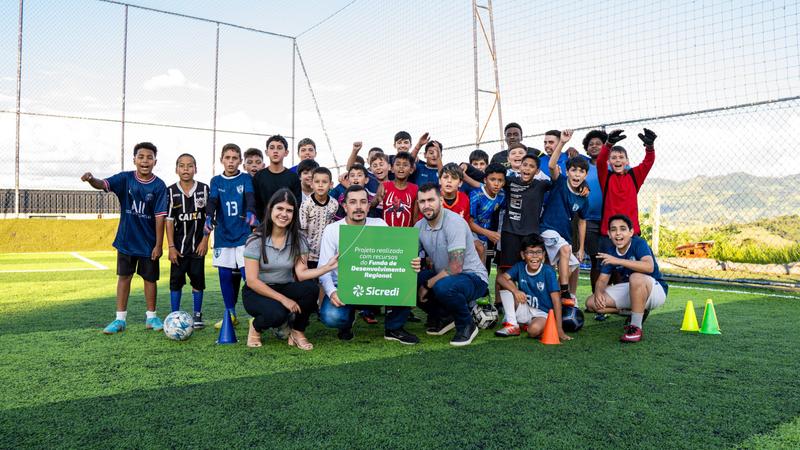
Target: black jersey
x: 187, y: 214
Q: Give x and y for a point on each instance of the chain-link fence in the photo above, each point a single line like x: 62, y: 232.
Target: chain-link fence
x: 719, y: 81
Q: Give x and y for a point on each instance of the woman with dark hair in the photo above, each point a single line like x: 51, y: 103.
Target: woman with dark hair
x: 280, y: 286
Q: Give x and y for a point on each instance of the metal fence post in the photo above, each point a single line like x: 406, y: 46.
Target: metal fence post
x: 214, y: 126
x: 124, y: 91
x: 19, y: 102
x: 294, y: 62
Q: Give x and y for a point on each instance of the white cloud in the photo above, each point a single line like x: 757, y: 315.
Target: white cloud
x: 172, y: 79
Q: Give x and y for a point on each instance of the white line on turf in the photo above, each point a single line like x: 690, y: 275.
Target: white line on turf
x: 89, y: 261
x: 51, y: 270
x: 731, y: 291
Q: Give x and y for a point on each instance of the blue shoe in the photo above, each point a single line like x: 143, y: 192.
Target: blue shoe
x: 114, y: 327
x: 154, y: 323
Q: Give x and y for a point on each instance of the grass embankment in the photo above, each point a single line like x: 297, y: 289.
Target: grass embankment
x: 56, y: 235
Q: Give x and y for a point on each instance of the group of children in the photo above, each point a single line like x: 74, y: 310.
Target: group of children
x: 526, y: 209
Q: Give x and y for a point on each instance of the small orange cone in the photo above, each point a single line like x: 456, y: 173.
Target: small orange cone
x: 550, y: 333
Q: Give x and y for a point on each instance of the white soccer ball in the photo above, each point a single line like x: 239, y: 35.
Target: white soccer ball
x: 485, y: 316
x: 178, y: 325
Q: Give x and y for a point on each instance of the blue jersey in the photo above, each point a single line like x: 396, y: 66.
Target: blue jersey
x: 544, y: 163
x: 372, y: 184
x: 140, y: 203
x: 482, y: 208
x: 424, y: 174
x: 636, y: 251
x: 537, y: 286
x: 228, y: 194
x: 558, y: 210
x: 595, y: 210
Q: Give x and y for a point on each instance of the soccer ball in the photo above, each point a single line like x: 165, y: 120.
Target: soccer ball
x: 571, y: 318
x: 178, y: 325
x: 485, y: 316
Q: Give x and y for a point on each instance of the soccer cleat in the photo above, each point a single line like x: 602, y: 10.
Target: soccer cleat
x: 632, y: 334
x: 400, y: 335
x: 507, y: 330
x: 571, y: 301
x: 465, y: 336
x: 644, y: 317
x: 198, y: 321
x: 345, y: 334
x: 441, y: 327
x: 524, y: 327
x: 600, y: 317
x: 115, y: 327
x: 413, y: 318
x: 234, y: 319
x: 154, y: 323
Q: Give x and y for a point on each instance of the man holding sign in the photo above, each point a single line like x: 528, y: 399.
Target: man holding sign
x: 335, y: 312
x: 458, y: 277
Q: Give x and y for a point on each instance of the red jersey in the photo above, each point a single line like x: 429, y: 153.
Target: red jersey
x: 398, y: 204
x: 620, y: 192
x: 460, y: 205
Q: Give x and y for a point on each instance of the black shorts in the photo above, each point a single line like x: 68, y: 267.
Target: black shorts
x: 145, y: 267
x: 510, y: 247
x: 312, y: 264
x: 592, y: 242
x: 195, y: 267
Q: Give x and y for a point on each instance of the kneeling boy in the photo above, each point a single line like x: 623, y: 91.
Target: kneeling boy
x: 530, y: 291
x: 641, y: 287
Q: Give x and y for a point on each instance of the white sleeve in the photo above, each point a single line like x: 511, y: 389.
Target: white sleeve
x: 327, y: 249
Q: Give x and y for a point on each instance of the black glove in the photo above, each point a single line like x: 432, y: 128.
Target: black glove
x: 615, y: 136
x: 648, y: 137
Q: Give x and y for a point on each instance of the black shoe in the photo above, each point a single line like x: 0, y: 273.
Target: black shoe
x: 413, y: 318
x: 346, y: 334
x: 198, y: 321
x: 400, y: 335
x: 441, y: 327
x: 465, y: 337
x: 601, y: 317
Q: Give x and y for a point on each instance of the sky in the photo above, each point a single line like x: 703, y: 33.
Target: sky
x: 378, y: 67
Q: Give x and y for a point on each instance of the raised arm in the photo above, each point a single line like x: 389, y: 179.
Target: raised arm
x: 353, y: 154
x: 641, y: 171
x: 555, y: 171
x: 420, y: 143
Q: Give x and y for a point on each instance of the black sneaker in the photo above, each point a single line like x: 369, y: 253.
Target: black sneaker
x: 400, y: 335
x: 198, y: 321
x: 600, y: 317
x: 413, y: 318
x: 441, y: 327
x: 465, y: 337
x: 346, y: 334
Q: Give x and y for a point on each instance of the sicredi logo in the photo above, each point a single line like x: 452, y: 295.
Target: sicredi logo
x: 359, y: 291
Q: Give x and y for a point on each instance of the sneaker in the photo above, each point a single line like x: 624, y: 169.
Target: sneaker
x: 507, y: 330
x: 283, y: 331
x: 115, y: 327
x: 441, y: 327
x: 413, y: 318
x: 465, y: 337
x: 571, y: 301
x: 369, y: 318
x: 632, y: 334
x: 601, y: 317
x: 198, y: 321
x: 234, y: 319
x: 346, y: 334
x: 154, y: 323
x: 400, y: 335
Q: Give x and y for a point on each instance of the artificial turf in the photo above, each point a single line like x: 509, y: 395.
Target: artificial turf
x: 65, y: 385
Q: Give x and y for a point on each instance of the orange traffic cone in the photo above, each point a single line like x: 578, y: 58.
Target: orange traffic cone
x: 550, y: 333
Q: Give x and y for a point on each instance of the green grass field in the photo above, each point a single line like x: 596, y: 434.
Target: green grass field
x: 65, y: 385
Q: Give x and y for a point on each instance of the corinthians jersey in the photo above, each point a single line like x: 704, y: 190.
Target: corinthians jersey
x: 187, y: 213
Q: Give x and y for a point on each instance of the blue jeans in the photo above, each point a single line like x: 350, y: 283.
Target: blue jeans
x: 342, y: 317
x: 452, y: 296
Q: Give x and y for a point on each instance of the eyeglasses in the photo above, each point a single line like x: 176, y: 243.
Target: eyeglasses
x: 534, y: 252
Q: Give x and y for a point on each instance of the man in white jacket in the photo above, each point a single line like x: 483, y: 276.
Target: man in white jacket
x: 334, y: 313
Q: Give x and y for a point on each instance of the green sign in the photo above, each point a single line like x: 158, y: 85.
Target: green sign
x: 375, y: 265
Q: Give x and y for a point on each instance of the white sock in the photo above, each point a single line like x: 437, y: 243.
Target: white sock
x: 150, y: 314
x: 636, y: 319
x: 122, y: 315
x: 510, y: 307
